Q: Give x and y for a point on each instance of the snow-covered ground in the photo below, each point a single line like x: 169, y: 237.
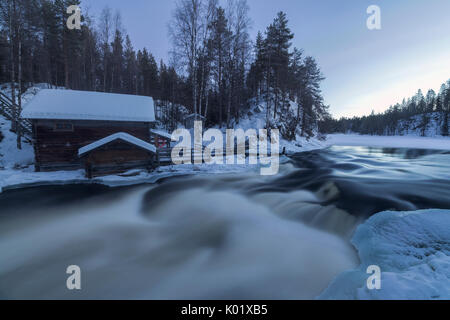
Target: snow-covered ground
x: 348, y: 140
x: 412, y: 250
x: 256, y: 119
x: 10, y: 156
x: 414, y: 125
x: 26, y: 177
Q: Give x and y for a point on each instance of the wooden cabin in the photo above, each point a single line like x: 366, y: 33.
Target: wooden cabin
x: 117, y: 153
x: 160, y: 139
x: 163, y: 142
x: 65, y: 121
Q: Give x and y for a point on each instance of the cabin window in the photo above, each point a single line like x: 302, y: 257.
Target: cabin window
x: 63, y: 127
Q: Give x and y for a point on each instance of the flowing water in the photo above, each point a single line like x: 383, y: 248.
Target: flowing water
x: 234, y: 236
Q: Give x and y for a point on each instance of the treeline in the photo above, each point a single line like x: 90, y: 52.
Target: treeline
x: 225, y: 69
x: 37, y: 47
x: 215, y: 67
x: 413, y: 114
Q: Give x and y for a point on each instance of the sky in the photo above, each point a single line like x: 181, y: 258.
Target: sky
x: 365, y: 69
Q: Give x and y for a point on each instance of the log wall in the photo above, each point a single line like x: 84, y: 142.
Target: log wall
x: 57, y: 150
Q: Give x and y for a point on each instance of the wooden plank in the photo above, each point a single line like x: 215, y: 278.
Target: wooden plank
x: 62, y: 147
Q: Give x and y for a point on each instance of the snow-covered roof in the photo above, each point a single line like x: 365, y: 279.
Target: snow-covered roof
x: 195, y: 115
x: 61, y: 104
x: 162, y: 134
x: 117, y: 136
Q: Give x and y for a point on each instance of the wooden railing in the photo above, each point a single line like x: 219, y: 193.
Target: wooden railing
x: 164, y: 156
x: 9, y: 109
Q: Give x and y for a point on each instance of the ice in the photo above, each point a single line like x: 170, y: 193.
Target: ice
x: 413, y: 251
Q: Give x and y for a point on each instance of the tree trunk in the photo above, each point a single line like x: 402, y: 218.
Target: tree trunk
x: 105, y: 66
x: 11, y: 50
x: 194, y: 90
x: 202, y: 88
x: 19, y: 107
x: 268, y: 98
x: 66, y: 55
x: 12, y: 38
x: 229, y: 106
x: 112, y: 79
x: 206, y: 102
x: 277, y: 89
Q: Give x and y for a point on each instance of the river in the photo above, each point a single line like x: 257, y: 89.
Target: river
x: 233, y: 236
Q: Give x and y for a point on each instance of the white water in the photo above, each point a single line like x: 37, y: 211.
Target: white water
x: 193, y: 244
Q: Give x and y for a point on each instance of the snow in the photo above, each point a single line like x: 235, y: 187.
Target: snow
x: 349, y: 140
x: 256, y: 119
x: 82, y: 105
x: 10, y: 156
x: 414, y: 125
x: 117, y: 136
x: 195, y: 115
x: 162, y: 134
x: 26, y: 177
x: 413, y: 251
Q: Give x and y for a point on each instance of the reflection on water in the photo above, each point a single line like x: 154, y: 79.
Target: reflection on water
x: 234, y: 236
x: 371, y: 180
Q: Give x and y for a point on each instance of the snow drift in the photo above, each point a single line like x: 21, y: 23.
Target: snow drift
x: 413, y: 251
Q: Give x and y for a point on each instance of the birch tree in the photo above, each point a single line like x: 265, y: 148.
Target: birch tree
x: 185, y: 30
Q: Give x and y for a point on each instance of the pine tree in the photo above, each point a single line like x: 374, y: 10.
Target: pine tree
x: 117, y: 62
x: 445, y: 129
x: 149, y: 74
x: 130, y: 73
x: 278, y: 42
x: 221, y: 40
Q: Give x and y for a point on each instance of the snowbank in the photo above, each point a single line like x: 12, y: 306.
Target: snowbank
x: 353, y: 140
x: 256, y: 119
x: 10, y: 156
x: 26, y: 177
x: 414, y: 125
x: 413, y: 251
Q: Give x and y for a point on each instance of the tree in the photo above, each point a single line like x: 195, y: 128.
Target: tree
x: 205, y: 57
x: 278, y: 42
x: 445, y: 129
x: 239, y: 23
x: 148, y: 80
x: 212, y: 69
x: 130, y: 72
x: 185, y: 30
x: 220, y: 42
x: 255, y: 77
x: 3, y: 58
x: 105, y: 27
x: 412, y: 114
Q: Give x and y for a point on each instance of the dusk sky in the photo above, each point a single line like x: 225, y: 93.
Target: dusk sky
x: 365, y: 70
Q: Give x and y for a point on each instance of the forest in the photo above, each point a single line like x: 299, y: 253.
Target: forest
x: 215, y: 69
x: 415, y: 114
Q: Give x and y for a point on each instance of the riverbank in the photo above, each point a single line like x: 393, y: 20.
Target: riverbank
x: 11, y: 179
x: 17, y: 170
x: 404, y: 142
